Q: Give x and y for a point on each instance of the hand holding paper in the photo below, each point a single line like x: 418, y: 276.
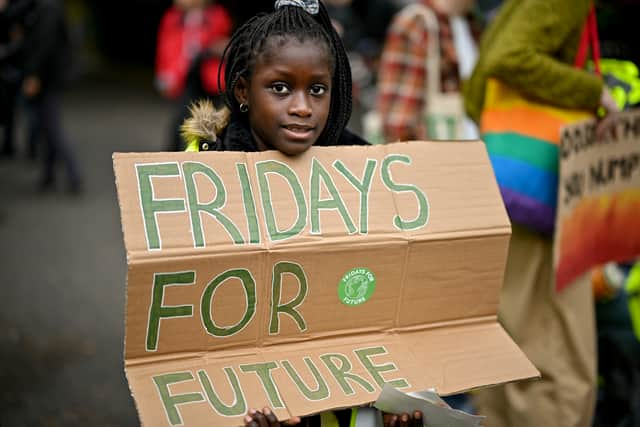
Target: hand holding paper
x: 435, y: 411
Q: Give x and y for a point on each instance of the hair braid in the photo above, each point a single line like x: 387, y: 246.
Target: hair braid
x: 248, y: 42
x: 341, y: 101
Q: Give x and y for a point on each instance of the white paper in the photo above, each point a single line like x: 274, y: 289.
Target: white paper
x: 435, y: 411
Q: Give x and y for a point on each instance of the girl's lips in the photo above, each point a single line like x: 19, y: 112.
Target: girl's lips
x: 301, y: 133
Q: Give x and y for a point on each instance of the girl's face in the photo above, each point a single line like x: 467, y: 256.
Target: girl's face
x: 289, y: 95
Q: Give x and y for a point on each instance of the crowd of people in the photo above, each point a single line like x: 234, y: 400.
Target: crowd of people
x: 411, y: 70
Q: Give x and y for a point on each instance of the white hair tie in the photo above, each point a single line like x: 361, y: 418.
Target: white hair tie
x: 310, y: 6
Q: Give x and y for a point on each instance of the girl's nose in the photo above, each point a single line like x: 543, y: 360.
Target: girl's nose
x: 300, y: 105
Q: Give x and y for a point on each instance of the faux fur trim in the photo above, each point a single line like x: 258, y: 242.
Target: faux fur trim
x: 205, y: 121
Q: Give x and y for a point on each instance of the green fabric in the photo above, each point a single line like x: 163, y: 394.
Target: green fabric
x: 193, y: 145
x: 633, y: 295
x: 533, y: 151
x: 531, y: 46
x: 328, y: 419
x: 627, y: 93
x: 354, y: 417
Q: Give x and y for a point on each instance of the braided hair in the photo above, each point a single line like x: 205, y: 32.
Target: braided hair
x: 250, y: 41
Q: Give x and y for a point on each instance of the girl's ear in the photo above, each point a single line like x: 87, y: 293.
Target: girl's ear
x: 241, y: 91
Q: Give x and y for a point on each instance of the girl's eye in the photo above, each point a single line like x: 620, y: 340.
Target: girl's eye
x: 318, y: 90
x: 280, y: 88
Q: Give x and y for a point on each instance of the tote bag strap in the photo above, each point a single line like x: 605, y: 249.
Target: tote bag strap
x: 433, y: 45
x: 589, y: 38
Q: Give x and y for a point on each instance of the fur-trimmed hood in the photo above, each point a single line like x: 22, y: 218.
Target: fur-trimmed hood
x: 205, y: 123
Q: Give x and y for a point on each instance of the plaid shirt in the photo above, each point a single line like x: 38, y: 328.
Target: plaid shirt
x: 402, y: 74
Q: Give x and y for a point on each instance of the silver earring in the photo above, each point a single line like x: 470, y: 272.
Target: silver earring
x: 244, y: 108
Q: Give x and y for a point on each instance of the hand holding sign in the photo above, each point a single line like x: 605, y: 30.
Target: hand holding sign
x: 403, y: 420
x: 266, y: 418
x: 608, y: 122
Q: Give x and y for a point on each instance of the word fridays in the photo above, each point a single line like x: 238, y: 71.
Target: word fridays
x: 308, y: 206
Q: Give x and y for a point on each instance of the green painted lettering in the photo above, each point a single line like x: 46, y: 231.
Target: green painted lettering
x: 289, y: 308
x: 281, y: 169
x: 263, y: 370
x: 423, y: 205
x: 152, y: 206
x: 169, y: 401
x: 363, y: 188
x: 249, y: 285
x: 365, y: 354
x: 158, y: 311
x: 341, y: 373
x: 249, y: 203
x: 320, y: 393
x: 237, y: 407
x: 212, y: 208
x: 318, y: 175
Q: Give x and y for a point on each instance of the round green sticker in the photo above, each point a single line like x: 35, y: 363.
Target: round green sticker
x: 356, y: 286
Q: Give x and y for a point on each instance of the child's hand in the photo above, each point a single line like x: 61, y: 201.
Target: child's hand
x: 403, y: 420
x: 266, y: 418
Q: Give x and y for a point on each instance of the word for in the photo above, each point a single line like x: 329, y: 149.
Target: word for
x: 308, y: 206
x: 601, y: 173
x: 158, y: 311
x: 339, y: 366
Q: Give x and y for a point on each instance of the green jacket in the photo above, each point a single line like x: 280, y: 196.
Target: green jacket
x: 531, y: 46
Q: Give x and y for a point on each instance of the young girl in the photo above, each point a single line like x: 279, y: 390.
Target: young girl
x: 287, y: 88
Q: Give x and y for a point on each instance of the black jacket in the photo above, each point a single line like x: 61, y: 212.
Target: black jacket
x: 47, y: 45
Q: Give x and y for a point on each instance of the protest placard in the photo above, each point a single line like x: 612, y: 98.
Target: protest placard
x: 307, y: 283
x: 598, y: 217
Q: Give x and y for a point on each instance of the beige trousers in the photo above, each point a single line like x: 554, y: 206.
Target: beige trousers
x: 556, y: 332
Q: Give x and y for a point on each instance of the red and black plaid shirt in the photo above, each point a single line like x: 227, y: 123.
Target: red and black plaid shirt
x: 402, y: 74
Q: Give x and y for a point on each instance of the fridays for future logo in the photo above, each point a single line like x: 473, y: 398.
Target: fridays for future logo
x: 356, y: 286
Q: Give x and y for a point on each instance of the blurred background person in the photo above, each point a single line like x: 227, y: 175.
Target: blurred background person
x: 406, y: 68
x: 191, y: 38
x: 616, y: 284
x: 11, y: 48
x: 536, y: 56
x: 362, y: 25
x: 47, y: 60
x: 402, y: 88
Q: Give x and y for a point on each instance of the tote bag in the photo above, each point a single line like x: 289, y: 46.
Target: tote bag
x: 522, y: 137
x: 443, y: 114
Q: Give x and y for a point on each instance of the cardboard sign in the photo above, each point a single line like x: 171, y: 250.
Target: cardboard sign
x: 309, y: 283
x: 598, y: 197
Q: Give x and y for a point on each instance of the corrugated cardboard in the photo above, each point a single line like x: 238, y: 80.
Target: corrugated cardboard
x: 308, y: 283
